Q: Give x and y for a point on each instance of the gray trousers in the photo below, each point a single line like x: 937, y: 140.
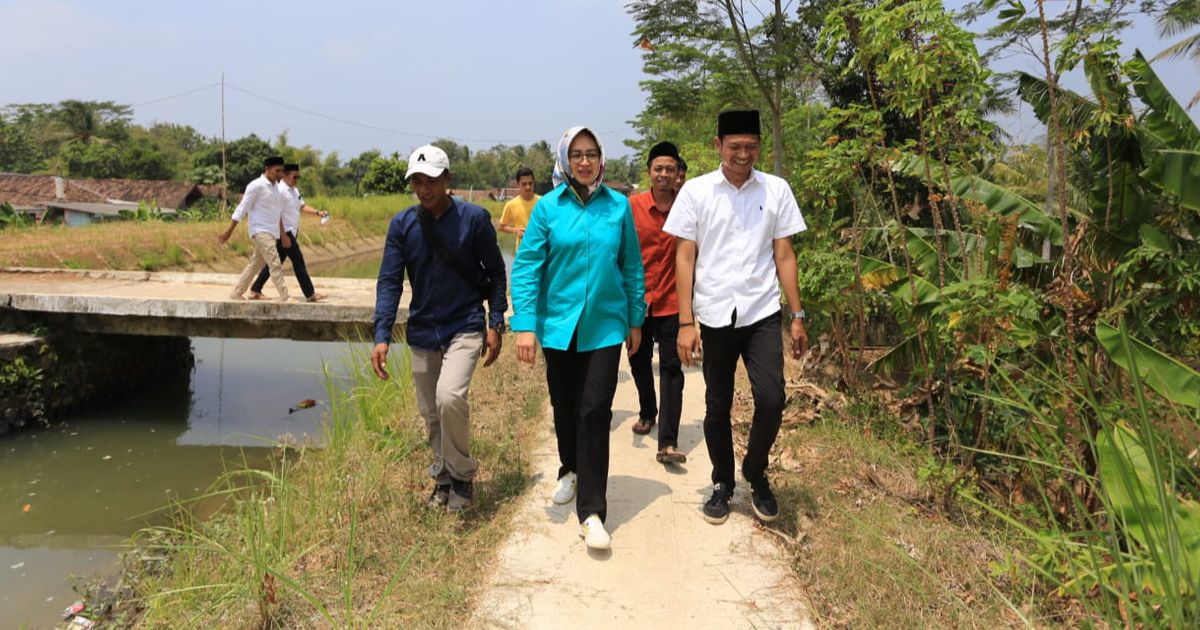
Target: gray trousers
x: 442, y: 379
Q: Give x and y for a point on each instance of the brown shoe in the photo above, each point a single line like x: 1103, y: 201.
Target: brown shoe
x: 643, y: 426
x: 668, y: 455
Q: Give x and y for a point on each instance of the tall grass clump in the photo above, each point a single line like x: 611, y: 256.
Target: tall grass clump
x: 324, y: 537
x: 1114, y: 526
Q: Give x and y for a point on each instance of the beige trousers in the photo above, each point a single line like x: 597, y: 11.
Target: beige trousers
x: 442, y: 379
x: 264, y: 254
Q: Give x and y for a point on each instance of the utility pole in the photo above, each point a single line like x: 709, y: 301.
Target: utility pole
x: 224, y: 177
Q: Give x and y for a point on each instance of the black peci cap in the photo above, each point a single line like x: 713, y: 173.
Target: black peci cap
x: 738, y: 121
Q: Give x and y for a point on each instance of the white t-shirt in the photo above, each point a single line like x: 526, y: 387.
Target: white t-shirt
x: 292, y: 204
x: 734, y: 230
x: 263, y: 204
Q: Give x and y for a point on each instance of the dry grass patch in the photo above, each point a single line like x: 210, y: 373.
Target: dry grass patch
x: 861, y: 519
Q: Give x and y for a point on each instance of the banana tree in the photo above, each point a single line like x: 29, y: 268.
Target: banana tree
x: 1169, y: 138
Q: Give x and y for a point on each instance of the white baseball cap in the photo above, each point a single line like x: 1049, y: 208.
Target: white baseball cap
x: 427, y: 160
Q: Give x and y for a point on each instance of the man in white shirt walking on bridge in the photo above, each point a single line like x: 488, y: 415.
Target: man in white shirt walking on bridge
x: 263, y: 204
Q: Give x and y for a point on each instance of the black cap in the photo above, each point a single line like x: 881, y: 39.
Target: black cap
x: 663, y: 149
x: 291, y: 168
x: 738, y: 121
x: 274, y: 160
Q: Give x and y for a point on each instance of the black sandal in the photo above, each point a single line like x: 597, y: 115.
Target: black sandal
x: 643, y: 426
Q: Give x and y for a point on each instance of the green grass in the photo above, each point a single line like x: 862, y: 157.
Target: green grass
x: 340, y: 537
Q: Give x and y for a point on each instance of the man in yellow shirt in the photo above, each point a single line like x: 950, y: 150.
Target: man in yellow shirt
x: 516, y: 212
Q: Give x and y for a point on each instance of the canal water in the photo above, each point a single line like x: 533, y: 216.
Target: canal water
x: 71, y: 496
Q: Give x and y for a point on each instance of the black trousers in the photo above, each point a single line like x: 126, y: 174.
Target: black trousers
x: 760, y: 346
x: 663, y: 330
x: 582, y: 385
x: 298, y: 267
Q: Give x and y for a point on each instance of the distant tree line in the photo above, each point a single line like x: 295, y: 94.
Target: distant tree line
x: 98, y: 139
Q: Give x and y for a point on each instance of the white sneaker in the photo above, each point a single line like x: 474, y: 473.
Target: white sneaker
x: 565, y: 491
x: 594, y: 535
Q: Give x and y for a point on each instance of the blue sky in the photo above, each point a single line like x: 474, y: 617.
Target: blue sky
x: 480, y: 71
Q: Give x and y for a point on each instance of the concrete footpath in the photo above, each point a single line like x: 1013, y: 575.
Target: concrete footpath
x: 668, y: 568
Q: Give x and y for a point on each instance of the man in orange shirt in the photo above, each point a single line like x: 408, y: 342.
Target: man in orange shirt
x: 650, y: 211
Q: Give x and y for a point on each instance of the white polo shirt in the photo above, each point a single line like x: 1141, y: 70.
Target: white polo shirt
x: 292, y: 204
x: 734, y: 229
x: 263, y: 204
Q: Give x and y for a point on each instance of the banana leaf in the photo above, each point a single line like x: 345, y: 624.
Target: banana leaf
x: 1178, y: 172
x: 1077, y: 110
x: 1163, y: 373
x: 990, y: 244
x: 925, y: 255
x: 1165, y: 527
x: 882, y: 274
x: 1165, y: 121
x: 901, y: 356
x: 998, y: 199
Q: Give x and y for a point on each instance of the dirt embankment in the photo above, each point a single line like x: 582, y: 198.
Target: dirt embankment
x: 158, y: 246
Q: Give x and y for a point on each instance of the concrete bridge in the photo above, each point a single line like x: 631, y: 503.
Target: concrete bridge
x: 188, y: 304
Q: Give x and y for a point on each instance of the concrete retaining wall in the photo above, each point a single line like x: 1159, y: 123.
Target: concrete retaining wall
x: 44, y: 377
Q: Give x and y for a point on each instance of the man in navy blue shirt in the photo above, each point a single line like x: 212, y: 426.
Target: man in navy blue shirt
x: 448, y: 249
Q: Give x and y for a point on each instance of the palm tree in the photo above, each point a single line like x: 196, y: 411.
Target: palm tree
x: 1176, y: 19
x: 81, y: 119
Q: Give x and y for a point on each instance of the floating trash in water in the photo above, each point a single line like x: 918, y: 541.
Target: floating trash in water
x: 74, y: 609
x: 106, y: 457
x: 307, y: 403
x: 17, y: 566
x: 26, y: 508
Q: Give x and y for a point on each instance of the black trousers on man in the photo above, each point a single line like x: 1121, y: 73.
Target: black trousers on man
x: 662, y: 329
x: 582, y: 385
x: 760, y: 346
x: 298, y: 267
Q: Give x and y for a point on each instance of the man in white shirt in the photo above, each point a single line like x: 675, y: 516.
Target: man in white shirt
x: 734, y: 249
x: 262, y: 205
x: 294, y: 206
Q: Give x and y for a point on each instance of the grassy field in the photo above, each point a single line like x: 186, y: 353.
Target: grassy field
x: 358, y: 224
x: 340, y: 537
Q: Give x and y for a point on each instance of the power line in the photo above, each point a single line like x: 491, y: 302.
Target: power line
x: 343, y: 121
x: 375, y: 127
x: 174, y: 96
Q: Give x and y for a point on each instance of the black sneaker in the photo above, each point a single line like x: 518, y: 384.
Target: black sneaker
x: 439, y: 496
x: 461, y: 494
x: 716, y: 509
x: 763, y: 500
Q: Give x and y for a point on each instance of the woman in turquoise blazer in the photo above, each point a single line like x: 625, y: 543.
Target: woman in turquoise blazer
x: 578, y: 288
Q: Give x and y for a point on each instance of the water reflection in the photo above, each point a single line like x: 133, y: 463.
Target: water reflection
x: 70, y: 496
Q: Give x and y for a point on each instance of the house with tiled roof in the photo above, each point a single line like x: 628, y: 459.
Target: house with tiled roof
x: 80, y: 201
